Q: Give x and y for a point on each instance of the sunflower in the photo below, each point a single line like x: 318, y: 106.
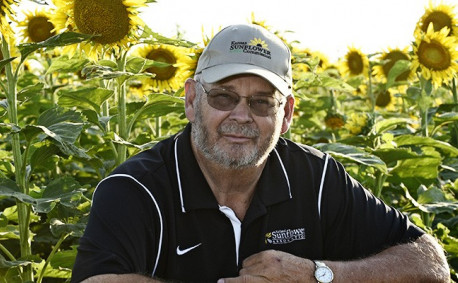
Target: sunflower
x: 440, y: 16
x: 388, y: 59
x: 436, y: 55
x: 259, y: 22
x: 36, y: 27
x: 334, y: 120
x: 357, y: 123
x: 167, y: 78
x: 137, y: 89
x: 6, y: 14
x: 114, y: 22
x: 355, y: 63
x: 385, y: 99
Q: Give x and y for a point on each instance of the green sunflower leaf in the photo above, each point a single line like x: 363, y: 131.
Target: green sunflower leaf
x: 9, y: 188
x: 4, y: 264
x: 59, y: 228
x: 353, y: 154
x: 87, y: 98
x: 64, y: 64
x: 159, y: 105
x: 62, y: 39
x: 59, y: 126
x: 151, y: 37
x: 398, y: 68
x: 390, y: 155
x: 4, y: 62
x: 30, y: 91
x: 415, y: 172
x: 409, y: 140
x: 446, y: 117
x: 391, y: 123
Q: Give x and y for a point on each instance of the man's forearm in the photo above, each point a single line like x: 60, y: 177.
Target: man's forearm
x: 420, y: 261
x: 120, y: 278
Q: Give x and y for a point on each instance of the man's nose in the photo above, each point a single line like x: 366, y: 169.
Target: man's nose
x: 242, y: 112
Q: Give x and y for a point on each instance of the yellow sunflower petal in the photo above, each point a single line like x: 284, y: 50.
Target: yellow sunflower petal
x: 167, y: 78
x: 115, y: 22
x: 439, y: 16
x: 36, y: 26
x: 436, y: 55
x: 388, y: 59
x: 355, y: 63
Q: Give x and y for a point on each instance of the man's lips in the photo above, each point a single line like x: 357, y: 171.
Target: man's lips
x: 237, y: 138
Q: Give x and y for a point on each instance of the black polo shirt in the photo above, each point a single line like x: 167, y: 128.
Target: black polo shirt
x: 156, y: 215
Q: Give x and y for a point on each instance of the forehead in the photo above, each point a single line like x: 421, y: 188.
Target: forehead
x: 247, y: 81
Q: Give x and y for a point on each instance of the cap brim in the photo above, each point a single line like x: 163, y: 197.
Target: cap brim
x: 220, y: 72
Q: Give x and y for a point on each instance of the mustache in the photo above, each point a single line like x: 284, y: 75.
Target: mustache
x: 243, y: 130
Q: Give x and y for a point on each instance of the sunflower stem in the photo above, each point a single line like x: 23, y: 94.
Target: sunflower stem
x: 455, y: 100
x: 51, y: 255
x: 22, y: 209
x: 380, y: 180
x: 424, y: 122
x: 158, y: 127
x: 369, y: 88
x: 122, y: 116
x: 7, y: 252
x: 424, y: 106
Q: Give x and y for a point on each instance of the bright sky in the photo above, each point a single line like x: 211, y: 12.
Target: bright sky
x: 328, y: 26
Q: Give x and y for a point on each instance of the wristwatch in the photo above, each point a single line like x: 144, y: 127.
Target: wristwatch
x: 323, y: 274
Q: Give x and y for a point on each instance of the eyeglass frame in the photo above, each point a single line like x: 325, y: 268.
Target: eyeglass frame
x: 280, y: 102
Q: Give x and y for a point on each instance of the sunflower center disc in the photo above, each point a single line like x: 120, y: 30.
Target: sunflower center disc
x: 39, y: 29
x: 383, y: 99
x: 439, y: 20
x: 107, y: 18
x: 355, y: 63
x: 433, y: 55
x: 162, y: 73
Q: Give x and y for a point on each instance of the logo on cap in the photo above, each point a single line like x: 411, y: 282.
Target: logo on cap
x: 256, y: 46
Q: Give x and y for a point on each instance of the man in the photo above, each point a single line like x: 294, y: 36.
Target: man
x: 228, y: 199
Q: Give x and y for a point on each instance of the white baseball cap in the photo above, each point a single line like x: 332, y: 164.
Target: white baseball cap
x: 247, y: 49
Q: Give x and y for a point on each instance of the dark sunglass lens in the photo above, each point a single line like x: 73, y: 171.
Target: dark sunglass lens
x: 263, y: 105
x: 222, y: 100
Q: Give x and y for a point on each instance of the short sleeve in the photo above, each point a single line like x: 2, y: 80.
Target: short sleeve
x: 122, y: 231
x: 355, y: 222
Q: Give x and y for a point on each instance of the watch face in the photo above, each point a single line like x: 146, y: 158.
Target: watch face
x: 324, y: 274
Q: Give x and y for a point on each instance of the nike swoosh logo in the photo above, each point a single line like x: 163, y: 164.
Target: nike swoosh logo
x: 182, y: 252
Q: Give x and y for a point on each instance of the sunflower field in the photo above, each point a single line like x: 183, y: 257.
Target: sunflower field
x: 86, y: 84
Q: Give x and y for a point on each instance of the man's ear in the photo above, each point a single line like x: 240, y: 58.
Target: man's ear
x: 289, y: 110
x: 190, y: 95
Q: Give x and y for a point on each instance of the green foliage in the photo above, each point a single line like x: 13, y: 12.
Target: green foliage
x: 69, y: 124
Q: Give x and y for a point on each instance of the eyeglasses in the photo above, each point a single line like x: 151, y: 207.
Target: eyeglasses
x: 226, y: 100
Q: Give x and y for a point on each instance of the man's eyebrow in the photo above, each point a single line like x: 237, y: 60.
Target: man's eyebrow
x: 232, y: 88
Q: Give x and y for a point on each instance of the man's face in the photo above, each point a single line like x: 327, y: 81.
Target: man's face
x: 236, y: 138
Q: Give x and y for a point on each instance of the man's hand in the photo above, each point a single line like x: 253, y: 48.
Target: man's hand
x: 274, y: 266
x: 420, y: 261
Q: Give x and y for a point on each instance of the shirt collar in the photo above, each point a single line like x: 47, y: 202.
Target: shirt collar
x: 195, y: 193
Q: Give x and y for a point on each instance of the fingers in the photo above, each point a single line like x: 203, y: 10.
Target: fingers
x: 274, y: 266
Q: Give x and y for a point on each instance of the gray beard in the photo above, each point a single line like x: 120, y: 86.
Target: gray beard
x: 240, y: 158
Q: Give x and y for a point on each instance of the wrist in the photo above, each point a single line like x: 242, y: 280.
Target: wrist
x: 323, y: 273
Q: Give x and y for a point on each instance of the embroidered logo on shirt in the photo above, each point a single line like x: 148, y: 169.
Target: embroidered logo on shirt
x: 285, y: 236
x: 182, y: 252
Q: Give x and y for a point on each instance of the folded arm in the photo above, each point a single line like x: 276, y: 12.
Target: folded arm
x: 420, y: 261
